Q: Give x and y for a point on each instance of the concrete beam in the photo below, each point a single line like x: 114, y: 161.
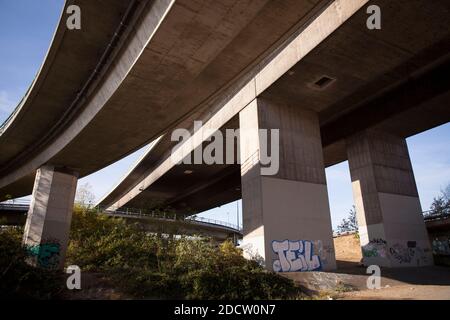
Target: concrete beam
x: 242, y: 93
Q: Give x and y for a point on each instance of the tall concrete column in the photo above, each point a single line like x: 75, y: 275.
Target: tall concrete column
x: 286, y: 215
x: 391, y: 227
x: 46, y: 233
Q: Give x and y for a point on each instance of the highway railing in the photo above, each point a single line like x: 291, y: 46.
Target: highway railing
x: 167, y: 216
x: 23, y: 205
x: 213, y: 221
x: 15, y: 205
x: 431, y: 215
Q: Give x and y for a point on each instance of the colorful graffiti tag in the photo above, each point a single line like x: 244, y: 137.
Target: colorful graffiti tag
x: 441, y: 246
x: 411, y: 253
x: 375, y: 248
x: 403, y: 253
x: 295, y: 256
x: 46, y: 254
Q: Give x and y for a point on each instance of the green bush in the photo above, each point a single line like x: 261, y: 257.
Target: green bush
x: 20, y: 280
x: 98, y: 242
x: 140, y: 264
x: 148, y: 266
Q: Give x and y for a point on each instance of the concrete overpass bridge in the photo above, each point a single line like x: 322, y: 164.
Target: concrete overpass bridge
x: 335, y: 89
x: 15, y: 214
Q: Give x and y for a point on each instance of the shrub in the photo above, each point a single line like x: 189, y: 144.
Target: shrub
x: 223, y: 273
x: 101, y: 243
x: 148, y: 266
x: 19, y: 279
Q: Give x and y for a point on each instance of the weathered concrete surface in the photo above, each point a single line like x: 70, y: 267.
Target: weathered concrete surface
x: 382, y: 78
x: 46, y: 232
x: 292, y: 204
x: 194, y: 48
x: 307, y: 35
x: 176, y: 62
x: 391, y: 227
x: 42, y: 105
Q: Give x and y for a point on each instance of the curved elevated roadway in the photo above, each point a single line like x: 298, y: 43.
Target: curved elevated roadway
x: 334, y: 88
x: 15, y: 213
x: 133, y: 71
x: 383, y: 80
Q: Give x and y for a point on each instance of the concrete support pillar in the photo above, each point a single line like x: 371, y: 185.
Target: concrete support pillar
x: 391, y: 226
x: 286, y: 215
x: 46, y: 233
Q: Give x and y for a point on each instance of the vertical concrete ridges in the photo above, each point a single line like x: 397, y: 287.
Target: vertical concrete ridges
x: 300, y: 143
x: 291, y: 205
x: 49, y: 217
x: 386, y: 157
x: 392, y: 230
x: 39, y: 201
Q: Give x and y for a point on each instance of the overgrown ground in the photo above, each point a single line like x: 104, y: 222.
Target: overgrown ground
x: 19, y: 280
x: 141, y: 265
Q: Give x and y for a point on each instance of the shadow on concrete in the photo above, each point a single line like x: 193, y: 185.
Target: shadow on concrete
x: 433, y: 275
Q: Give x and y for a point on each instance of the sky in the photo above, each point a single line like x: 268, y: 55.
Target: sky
x: 26, y: 30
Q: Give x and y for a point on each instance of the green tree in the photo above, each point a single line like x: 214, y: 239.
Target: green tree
x: 441, y: 203
x: 85, y: 197
x: 350, y: 223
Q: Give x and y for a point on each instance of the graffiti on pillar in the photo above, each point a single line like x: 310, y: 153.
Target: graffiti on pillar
x: 409, y: 253
x: 295, y: 256
x: 45, y: 253
x: 376, y: 248
x: 441, y: 246
x: 403, y: 254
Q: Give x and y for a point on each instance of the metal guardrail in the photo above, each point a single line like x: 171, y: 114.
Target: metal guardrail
x: 15, y: 205
x: 21, y: 205
x: 167, y: 216
x: 429, y: 216
x: 213, y: 221
x: 15, y: 201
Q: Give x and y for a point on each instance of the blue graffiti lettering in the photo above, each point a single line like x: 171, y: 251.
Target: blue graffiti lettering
x: 295, y: 256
